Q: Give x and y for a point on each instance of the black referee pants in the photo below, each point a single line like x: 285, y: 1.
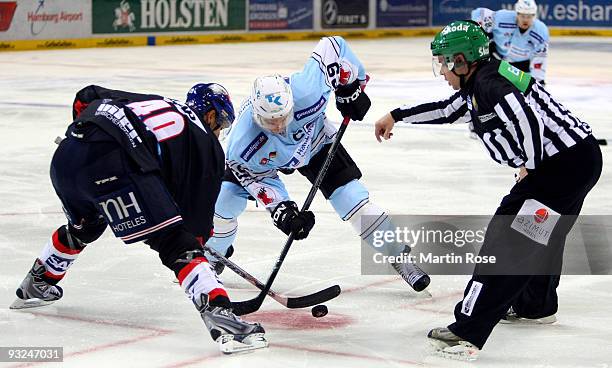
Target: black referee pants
x: 561, y: 183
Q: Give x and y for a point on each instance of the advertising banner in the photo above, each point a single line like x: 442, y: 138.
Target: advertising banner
x: 44, y: 19
x: 344, y: 14
x: 140, y: 16
x: 402, y: 13
x: 285, y: 14
x: 556, y: 13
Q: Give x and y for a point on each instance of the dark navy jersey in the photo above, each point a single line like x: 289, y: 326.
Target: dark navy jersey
x: 160, y: 135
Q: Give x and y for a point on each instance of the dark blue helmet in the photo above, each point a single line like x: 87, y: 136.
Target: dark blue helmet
x: 204, y: 97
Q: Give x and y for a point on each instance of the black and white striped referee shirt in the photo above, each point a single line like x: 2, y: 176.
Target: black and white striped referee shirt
x: 515, y: 118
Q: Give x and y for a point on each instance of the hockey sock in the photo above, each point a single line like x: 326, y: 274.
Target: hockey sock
x: 58, y: 255
x: 196, y: 277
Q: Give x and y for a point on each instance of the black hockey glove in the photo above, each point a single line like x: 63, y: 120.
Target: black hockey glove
x: 352, y: 101
x: 286, y: 170
x: 288, y: 218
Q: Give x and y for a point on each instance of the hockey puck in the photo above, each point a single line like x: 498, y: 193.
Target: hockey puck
x: 319, y: 311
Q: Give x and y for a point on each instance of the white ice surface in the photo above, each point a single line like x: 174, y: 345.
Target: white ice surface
x: 120, y: 307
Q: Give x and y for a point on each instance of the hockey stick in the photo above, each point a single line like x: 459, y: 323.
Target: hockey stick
x: 290, y: 302
x: 252, y: 305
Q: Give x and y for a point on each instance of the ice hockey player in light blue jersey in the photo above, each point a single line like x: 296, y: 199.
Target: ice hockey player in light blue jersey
x: 518, y: 36
x: 282, y: 126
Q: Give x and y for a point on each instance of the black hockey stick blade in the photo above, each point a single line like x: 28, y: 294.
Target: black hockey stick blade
x: 248, y: 306
x: 315, y: 298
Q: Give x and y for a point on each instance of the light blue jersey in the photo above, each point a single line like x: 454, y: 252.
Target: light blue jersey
x: 513, y: 45
x: 254, y: 154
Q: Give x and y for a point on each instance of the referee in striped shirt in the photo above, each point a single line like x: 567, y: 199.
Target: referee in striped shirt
x: 559, y: 161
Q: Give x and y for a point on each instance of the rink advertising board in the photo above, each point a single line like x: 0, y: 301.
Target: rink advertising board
x: 402, y: 13
x: 145, y: 16
x: 344, y: 14
x: 44, y: 19
x: 285, y: 14
x: 556, y: 13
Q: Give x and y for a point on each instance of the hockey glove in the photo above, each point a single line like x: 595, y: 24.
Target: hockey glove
x: 352, y: 101
x: 286, y: 170
x: 288, y: 218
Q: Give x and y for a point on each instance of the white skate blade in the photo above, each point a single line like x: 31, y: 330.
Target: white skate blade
x: 464, y: 351
x: 228, y: 345
x: 30, y: 303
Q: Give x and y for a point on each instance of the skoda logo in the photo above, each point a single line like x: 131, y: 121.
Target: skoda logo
x: 330, y: 12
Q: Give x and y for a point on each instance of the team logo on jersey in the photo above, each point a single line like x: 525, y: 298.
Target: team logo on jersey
x: 254, y: 146
x: 263, y: 196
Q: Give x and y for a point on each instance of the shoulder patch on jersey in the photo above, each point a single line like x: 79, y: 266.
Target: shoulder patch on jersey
x: 517, y: 77
x: 310, y: 109
x: 507, y: 25
x: 254, y: 146
x: 536, y: 36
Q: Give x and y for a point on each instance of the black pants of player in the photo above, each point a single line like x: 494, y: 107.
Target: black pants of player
x: 341, y: 170
x: 561, y: 183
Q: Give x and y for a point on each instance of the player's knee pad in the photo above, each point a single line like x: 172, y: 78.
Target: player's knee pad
x: 348, y: 199
x: 176, y: 248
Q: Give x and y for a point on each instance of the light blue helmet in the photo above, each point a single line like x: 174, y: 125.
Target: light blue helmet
x: 272, y: 102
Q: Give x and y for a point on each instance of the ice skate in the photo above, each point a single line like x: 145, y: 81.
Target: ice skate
x: 449, y: 345
x: 34, y: 291
x: 512, y: 318
x: 231, y: 333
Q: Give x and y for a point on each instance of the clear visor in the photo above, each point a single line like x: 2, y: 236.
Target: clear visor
x: 525, y: 20
x: 276, y: 125
x: 438, y: 62
x: 223, y: 120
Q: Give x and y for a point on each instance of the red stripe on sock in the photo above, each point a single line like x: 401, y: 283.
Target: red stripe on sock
x: 187, y: 269
x: 57, y: 244
x: 54, y: 276
x: 216, y: 292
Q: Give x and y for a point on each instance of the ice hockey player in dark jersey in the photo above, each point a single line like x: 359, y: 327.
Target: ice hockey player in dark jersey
x: 150, y: 168
x: 559, y: 161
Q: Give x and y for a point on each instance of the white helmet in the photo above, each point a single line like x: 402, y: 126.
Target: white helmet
x: 526, y: 7
x: 272, y: 101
